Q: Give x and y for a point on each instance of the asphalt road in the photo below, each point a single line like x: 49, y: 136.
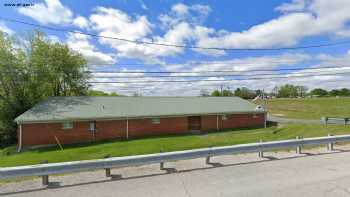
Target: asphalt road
x: 280, y: 174
x: 293, y: 121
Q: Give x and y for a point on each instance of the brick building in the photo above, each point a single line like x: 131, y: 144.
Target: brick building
x: 68, y: 120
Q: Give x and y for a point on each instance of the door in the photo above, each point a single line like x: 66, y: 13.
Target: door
x: 194, y: 123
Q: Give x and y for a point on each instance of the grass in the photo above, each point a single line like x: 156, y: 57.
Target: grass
x: 166, y: 143
x: 310, y: 108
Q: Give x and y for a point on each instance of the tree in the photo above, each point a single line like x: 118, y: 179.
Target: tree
x: 227, y: 93
x: 344, y: 92
x: 245, y: 93
x: 340, y: 92
x: 334, y: 92
x: 216, y: 93
x: 100, y: 93
x: 301, y: 90
x: 29, y: 76
x: 274, y: 91
x: 319, y: 92
x: 287, y: 91
x: 204, y: 92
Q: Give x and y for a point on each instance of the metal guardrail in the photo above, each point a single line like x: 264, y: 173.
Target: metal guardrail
x: 334, y: 120
x: 77, y: 166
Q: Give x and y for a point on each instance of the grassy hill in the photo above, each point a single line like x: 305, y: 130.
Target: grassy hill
x: 309, y: 108
x: 167, y: 143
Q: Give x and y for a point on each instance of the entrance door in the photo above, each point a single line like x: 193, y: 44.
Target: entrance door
x: 194, y: 123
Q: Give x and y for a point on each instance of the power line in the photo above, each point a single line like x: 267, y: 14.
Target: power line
x: 199, y: 72
x: 222, y: 62
x: 175, y: 45
x: 217, y: 80
x: 198, y: 76
x: 216, y: 71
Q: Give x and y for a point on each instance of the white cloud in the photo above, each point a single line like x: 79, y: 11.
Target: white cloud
x: 5, y: 29
x: 81, y: 22
x: 288, y: 29
x: 143, y: 5
x: 50, y: 12
x: 115, y: 23
x: 294, y: 6
x: 81, y: 44
x: 194, y: 14
x: 180, y: 9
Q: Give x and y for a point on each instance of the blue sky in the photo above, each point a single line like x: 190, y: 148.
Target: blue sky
x: 228, y: 24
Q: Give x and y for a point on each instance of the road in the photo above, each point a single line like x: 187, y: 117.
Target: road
x: 317, y: 173
x: 292, y: 120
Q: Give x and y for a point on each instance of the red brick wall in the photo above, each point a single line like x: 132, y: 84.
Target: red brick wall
x: 110, y: 129
x: 233, y: 121
x: 144, y: 127
x: 241, y: 121
x: 208, y: 123
x: 43, y: 133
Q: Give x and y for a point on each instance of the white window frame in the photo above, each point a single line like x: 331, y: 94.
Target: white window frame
x: 67, y: 125
x: 224, y: 117
x: 92, y: 126
x: 155, y: 120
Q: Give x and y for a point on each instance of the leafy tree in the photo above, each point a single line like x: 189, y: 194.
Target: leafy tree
x: 340, y: 92
x: 216, y: 93
x: 227, y: 93
x: 287, y: 91
x: 100, y: 93
x: 334, y: 92
x: 30, y: 75
x: 245, y: 93
x: 204, y: 92
x: 301, y: 90
x: 344, y: 92
x: 319, y: 92
x: 224, y: 92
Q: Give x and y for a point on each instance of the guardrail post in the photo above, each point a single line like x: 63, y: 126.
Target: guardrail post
x: 207, y: 159
x: 45, y: 178
x: 330, y: 145
x: 108, y: 170
x: 161, y: 163
x: 298, y: 149
x: 261, y: 153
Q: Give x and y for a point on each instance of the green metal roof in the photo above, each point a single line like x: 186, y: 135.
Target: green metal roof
x: 90, y: 108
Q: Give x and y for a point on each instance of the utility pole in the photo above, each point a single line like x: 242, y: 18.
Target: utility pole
x: 221, y: 89
x: 265, y: 107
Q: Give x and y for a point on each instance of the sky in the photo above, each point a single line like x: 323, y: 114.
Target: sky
x: 239, y: 24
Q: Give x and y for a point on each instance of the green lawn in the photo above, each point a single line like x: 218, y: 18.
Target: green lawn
x: 168, y: 143
x: 309, y: 108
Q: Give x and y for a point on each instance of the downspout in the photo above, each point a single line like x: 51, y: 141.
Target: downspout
x: 20, y: 138
x: 265, y: 119
x: 127, y: 128
x: 217, y: 122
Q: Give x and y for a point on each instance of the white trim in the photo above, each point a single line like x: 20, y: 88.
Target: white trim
x: 20, y: 138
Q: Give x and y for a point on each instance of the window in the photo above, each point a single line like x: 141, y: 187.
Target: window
x: 224, y: 117
x: 67, y: 125
x: 155, y: 120
x: 92, y: 126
